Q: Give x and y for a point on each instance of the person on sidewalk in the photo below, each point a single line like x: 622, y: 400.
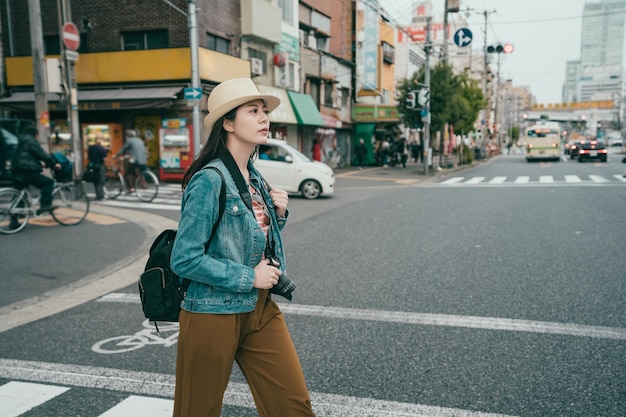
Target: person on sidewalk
x: 135, y: 149
x: 26, y: 167
x: 360, y: 152
x: 96, y: 154
x: 228, y: 313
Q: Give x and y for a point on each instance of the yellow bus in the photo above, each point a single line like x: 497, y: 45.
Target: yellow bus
x: 543, y: 141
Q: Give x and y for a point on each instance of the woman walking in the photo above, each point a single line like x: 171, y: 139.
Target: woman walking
x: 228, y: 314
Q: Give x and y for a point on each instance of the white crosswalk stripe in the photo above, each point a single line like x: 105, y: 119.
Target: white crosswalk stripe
x: 168, y: 198
x: 138, y: 406
x: 16, y: 398
x: 590, y: 179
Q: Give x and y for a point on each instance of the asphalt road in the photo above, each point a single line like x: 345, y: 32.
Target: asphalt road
x: 439, y: 296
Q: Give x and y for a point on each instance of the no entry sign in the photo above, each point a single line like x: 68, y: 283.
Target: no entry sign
x: 70, y: 36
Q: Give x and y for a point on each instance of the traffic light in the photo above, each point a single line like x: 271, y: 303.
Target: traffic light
x: 423, y: 97
x: 499, y: 48
x: 410, y: 100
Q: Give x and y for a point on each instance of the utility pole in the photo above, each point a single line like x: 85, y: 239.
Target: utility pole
x: 485, y: 112
x: 426, y: 120
x: 69, y: 79
x: 444, y: 54
x: 39, y: 71
x: 195, y: 76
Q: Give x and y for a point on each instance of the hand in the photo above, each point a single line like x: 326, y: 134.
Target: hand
x: 280, y: 199
x: 57, y: 166
x: 265, y: 275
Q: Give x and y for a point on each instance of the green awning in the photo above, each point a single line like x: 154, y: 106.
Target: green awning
x: 306, y: 110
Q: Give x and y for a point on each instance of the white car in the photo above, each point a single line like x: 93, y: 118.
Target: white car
x: 284, y: 167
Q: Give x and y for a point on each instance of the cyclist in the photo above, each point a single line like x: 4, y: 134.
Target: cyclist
x: 26, y: 167
x: 136, y: 150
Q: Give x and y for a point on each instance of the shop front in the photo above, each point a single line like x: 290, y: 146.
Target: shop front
x: 309, y: 122
x: 283, y: 121
x: 369, y: 121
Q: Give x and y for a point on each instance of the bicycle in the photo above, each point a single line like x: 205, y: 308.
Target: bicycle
x: 17, y: 205
x: 146, y: 183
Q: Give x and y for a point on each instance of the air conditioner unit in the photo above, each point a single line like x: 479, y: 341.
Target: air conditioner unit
x: 256, y: 66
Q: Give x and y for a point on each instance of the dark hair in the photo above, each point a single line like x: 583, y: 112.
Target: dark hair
x: 213, y: 146
x: 30, y: 130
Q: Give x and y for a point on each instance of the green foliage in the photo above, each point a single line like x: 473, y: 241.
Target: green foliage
x: 454, y: 98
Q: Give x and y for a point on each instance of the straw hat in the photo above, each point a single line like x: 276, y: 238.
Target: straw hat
x: 233, y: 93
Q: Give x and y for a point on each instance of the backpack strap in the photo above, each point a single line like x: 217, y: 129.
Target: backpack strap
x: 185, y: 284
x: 235, y: 173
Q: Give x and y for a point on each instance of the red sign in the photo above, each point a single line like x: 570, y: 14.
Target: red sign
x: 70, y: 36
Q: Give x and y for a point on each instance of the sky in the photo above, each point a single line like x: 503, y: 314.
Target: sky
x: 545, y: 34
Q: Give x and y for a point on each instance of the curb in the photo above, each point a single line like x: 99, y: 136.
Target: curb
x: 115, y: 277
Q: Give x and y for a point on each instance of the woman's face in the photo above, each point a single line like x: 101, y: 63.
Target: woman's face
x: 251, y: 124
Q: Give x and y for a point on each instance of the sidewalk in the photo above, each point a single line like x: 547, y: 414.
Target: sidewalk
x: 414, y: 172
x: 95, y: 283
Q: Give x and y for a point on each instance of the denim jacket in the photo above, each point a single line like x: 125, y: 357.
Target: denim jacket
x: 221, y: 278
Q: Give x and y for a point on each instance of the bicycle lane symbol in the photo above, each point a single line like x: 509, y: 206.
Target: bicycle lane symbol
x: 145, y: 337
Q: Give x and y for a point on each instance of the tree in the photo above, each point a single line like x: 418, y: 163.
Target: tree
x: 455, y: 99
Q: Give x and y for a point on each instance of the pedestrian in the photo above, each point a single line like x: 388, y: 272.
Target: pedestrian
x: 360, y: 152
x: 26, y: 167
x: 135, y: 151
x: 96, y: 154
x: 228, y: 313
x: 316, y: 150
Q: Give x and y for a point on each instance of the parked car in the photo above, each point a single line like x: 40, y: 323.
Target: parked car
x: 10, y: 128
x: 573, y: 149
x: 592, y: 149
x: 284, y: 167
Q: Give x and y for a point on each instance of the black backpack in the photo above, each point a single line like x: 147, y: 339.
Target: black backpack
x: 160, y: 289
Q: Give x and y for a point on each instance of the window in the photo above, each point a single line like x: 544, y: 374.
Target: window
x: 218, y: 44
x: 52, y: 44
x: 389, y: 53
x: 149, y: 39
x: 287, y: 7
x: 328, y: 94
x: 255, y: 53
x: 314, y: 91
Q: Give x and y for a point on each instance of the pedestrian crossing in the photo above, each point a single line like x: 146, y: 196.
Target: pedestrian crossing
x: 616, y: 179
x: 168, y: 198
x: 18, y: 398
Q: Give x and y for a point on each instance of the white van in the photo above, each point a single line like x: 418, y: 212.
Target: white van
x: 286, y: 168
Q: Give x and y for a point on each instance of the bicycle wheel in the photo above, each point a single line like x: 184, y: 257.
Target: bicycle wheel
x: 72, y: 204
x: 113, y: 184
x: 14, y: 211
x: 146, y: 186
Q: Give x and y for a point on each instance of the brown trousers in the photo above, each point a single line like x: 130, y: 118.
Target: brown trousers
x: 259, y: 341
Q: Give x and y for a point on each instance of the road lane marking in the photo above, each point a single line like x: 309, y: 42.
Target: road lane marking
x: 450, y: 320
x: 497, y: 180
x: 572, y: 178
x: 522, y: 180
x: 237, y: 394
x: 453, y: 180
x: 620, y: 177
x: 137, y: 406
x: 546, y: 179
x: 598, y: 178
x: 474, y: 180
x: 17, y: 398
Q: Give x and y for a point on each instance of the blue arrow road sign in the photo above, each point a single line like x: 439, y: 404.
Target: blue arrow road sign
x: 463, y: 37
x: 193, y: 93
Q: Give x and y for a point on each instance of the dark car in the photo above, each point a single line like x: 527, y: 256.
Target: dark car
x: 573, y: 149
x: 592, y: 149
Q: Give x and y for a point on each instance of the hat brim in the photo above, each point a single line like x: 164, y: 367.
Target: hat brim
x: 271, y: 102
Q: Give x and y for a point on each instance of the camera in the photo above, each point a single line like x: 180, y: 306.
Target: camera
x: 285, y: 286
